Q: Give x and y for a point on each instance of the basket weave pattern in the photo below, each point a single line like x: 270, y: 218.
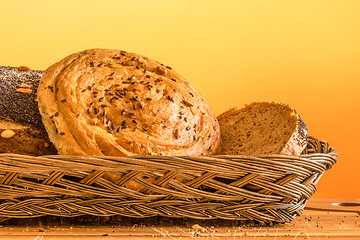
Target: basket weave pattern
x: 269, y: 188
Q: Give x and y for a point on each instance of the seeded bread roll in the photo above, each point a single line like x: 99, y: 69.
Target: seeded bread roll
x: 110, y: 102
x: 262, y: 128
x: 21, y: 129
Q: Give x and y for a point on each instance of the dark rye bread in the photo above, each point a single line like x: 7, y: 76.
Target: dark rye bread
x: 21, y: 128
x: 262, y: 128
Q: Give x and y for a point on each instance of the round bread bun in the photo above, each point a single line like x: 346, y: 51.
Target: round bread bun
x: 115, y: 103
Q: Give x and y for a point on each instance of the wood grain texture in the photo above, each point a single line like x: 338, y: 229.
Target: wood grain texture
x: 311, y: 225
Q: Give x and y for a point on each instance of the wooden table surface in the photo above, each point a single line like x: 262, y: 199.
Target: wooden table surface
x: 323, y: 219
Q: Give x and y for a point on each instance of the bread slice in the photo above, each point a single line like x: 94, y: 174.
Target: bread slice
x: 21, y: 128
x: 262, y: 128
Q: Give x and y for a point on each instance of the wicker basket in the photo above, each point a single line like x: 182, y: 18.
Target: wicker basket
x: 269, y: 188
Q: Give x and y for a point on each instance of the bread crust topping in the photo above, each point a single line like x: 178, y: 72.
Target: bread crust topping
x: 111, y: 102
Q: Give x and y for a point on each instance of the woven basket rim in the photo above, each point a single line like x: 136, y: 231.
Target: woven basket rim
x: 265, y: 188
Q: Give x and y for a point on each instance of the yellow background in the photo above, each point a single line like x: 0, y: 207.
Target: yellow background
x: 304, y: 53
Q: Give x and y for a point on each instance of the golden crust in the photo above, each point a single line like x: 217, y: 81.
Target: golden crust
x: 111, y: 102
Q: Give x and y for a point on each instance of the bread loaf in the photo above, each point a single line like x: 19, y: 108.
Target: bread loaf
x: 116, y: 103
x: 21, y: 128
x: 262, y: 128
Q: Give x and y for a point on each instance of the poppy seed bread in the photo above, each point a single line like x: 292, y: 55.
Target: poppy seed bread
x: 21, y: 129
x: 262, y: 128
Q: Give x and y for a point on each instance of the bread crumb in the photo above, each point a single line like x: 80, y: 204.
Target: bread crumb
x: 198, y: 228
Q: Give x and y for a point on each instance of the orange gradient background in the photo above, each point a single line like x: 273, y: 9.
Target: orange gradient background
x: 304, y: 53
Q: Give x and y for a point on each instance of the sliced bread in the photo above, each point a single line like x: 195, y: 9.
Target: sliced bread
x: 262, y: 128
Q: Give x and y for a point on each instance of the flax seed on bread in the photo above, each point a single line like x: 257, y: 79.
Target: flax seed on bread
x: 116, y: 103
x: 262, y: 128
